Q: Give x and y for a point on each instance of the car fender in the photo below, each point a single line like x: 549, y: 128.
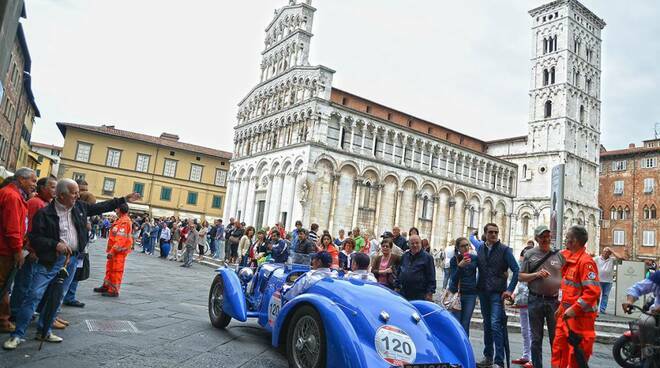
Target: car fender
x: 234, y: 300
x: 339, y: 353
x: 438, y: 319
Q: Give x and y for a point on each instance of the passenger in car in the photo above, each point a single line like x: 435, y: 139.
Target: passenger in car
x: 321, y: 262
x: 360, y: 268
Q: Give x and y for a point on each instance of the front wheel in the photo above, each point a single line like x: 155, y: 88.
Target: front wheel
x: 305, y: 342
x: 219, y: 319
x: 627, y: 353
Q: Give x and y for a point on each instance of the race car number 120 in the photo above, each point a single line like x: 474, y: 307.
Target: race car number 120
x: 395, y: 346
x: 274, y: 307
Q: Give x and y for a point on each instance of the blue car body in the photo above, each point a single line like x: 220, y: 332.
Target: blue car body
x: 363, y: 313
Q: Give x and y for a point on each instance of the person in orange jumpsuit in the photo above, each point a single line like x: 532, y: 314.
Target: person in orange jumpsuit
x: 119, y: 246
x: 578, y: 295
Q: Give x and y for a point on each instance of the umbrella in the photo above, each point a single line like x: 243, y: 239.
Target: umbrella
x: 574, y: 340
x: 9, y: 281
x: 53, y: 298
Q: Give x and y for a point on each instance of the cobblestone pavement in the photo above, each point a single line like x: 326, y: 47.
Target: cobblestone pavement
x: 167, y: 304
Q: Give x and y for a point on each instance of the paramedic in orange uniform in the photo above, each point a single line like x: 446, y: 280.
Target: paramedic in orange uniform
x: 119, y: 245
x: 580, y: 289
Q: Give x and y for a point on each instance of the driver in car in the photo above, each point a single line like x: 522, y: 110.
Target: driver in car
x: 321, y: 263
x: 360, y: 268
x: 646, y: 286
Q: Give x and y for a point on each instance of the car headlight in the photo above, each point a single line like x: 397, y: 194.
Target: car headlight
x: 245, y: 275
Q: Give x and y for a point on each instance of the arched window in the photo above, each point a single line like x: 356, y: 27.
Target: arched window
x: 545, y: 45
x: 612, y: 213
x: 548, y: 109
x: 554, y: 41
x: 619, y: 213
x: 577, y: 79
x: 647, y: 213
x: 546, y: 77
x: 552, y: 75
x: 525, y: 226
x: 524, y: 172
x: 367, y: 195
x: 588, y: 85
x: 626, y: 213
x: 582, y: 114
x: 602, y: 214
x: 653, y: 212
x: 580, y: 176
x: 473, y: 218
x: 427, y: 208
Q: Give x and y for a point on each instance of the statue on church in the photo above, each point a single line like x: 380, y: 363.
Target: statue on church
x: 304, y: 192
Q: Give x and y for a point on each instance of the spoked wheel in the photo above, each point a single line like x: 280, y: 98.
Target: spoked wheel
x: 627, y: 353
x: 306, y: 346
x: 219, y: 319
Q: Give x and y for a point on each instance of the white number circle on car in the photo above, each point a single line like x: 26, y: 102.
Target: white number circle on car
x: 395, y: 346
x: 274, y: 307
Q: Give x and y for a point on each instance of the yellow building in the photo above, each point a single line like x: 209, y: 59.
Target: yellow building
x: 174, y: 178
x: 44, y: 165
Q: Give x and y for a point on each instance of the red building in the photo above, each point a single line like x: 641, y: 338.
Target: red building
x: 629, y: 200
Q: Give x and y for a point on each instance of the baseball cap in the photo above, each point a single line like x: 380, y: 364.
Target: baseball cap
x: 387, y: 234
x: 540, y: 230
x: 324, y: 257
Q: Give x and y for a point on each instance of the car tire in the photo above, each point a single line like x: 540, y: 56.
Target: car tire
x: 305, y: 332
x: 219, y: 319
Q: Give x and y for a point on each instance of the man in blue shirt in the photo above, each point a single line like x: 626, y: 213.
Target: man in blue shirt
x: 416, y: 276
x: 294, y: 234
x: 493, y: 262
x: 279, y: 248
x: 646, y: 286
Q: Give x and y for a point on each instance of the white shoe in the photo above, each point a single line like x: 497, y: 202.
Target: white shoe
x: 12, y: 343
x: 51, y: 337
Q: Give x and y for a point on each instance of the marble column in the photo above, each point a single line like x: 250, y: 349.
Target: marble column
x: 450, y: 219
x: 434, y: 221
x: 356, y: 206
x: 292, y: 194
x: 269, y: 193
x: 418, y: 208
x: 249, y: 209
x: 379, y: 196
x: 333, y: 203
x: 230, y: 199
x: 276, y: 199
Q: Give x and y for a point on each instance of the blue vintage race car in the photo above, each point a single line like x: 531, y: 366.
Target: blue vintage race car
x: 339, y: 322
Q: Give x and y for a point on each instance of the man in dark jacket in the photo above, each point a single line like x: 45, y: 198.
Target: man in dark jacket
x: 59, y: 231
x: 493, y: 262
x: 416, y: 277
x: 305, y: 245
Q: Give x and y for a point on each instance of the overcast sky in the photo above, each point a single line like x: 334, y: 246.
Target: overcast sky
x: 161, y: 65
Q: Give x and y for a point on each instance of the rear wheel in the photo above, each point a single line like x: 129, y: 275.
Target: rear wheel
x: 627, y: 353
x: 219, y: 319
x: 305, y: 343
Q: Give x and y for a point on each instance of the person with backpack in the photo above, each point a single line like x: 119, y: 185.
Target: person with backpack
x: 541, y: 269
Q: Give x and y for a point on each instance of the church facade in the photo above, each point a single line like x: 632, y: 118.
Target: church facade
x: 305, y: 150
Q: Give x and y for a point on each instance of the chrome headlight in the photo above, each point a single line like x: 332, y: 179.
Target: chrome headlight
x: 245, y: 275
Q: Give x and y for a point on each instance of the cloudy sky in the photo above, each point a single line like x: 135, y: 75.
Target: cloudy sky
x: 156, y: 65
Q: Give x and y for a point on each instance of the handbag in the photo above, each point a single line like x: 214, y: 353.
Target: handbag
x: 82, y: 271
x: 451, y: 301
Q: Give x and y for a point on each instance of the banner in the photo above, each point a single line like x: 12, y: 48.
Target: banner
x: 557, y: 206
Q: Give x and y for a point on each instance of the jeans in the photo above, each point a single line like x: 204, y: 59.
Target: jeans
x: 464, y: 316
x: 71, y: 293
x: 541, y: 311
x: 526, y: 332
x: 492, y: 311
x: 445, y: 280
x: 22, y: 284
x: 227, y: 250
x: 220, y: 249
x: 189, y: 256
x: 213, y: 247
x: 42, y: 278
x: 605, y: 288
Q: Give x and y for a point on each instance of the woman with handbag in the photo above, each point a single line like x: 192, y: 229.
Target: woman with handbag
x: 244, y: 245
x: 384, y: 265
x: 463, y: 281
x: 202, y: 242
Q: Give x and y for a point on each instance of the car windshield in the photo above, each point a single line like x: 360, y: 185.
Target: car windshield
x: 300, y: 258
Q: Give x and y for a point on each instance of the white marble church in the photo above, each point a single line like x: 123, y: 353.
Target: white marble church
x: 305, y: 150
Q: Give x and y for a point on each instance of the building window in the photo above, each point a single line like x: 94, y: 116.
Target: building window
x: 78, y: 176
x: 619, y: 237
x: 113, y: 157
x: 389, y: 116
x: 165, y: 194
x: 38, y: 173
x: 552, y: 75
x: 649, y: 162
x: 649, y: 238
x: 525, y: 226
x: 648, y: 185
x: 138, y: 188
x: 546, y: 77
x: 548, y: 109
x: 217, y: 201
x: 613, y: 213
x: 192, y: 198
x: 368, y: 109
x: 427, y: 208
x: 142, y: 163
x: 83, y: 152
x: 618, y: 187
x: 626, y: 213
x: 344, y: 100
x: 196, y: 172
x: 649, y: 212
x: 169, y: 169
x: 619, y: 165
x: 220, y: 177
x: 582, y: 114
x: 108, y: 186
x: 619, y: 213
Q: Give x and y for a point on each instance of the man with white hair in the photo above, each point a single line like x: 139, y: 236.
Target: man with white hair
x: 59, y: 233
x: 13, y: 225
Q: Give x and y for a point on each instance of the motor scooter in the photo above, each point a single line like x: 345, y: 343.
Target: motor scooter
x: 639, y: 347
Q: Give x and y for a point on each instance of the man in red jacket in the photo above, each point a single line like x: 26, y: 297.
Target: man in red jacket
x: 13, y: 227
